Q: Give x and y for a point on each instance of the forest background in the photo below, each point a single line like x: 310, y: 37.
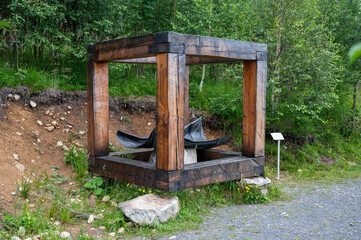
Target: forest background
x: 312, y: 88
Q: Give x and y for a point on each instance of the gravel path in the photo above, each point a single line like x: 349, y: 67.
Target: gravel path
x: 315, y: 212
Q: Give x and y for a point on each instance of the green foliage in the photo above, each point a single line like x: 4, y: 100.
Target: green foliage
x: 252, y: 194
x: 78, y: 160
x: 355, y: 52
x: 95, y: 186
x: 31, y: 221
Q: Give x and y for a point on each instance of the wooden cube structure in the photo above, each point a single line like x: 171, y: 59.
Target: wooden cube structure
x: 173, y: 53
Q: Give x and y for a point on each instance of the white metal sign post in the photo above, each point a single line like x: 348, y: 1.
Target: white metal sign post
x: 278, y: 137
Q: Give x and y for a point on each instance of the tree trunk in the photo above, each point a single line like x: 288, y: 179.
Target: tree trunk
x: 202, y: 80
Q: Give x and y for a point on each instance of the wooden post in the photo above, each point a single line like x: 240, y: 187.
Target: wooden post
x: 98, y: 109
x: 170, y: 111
x: 254, y: 108
x: 186, y: 96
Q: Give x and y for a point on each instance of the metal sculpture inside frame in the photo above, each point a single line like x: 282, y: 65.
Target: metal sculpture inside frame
x: 173, y: 53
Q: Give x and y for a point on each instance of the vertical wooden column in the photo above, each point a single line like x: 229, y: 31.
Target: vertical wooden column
x: 186, y: 96
x: 98, y: 109
x: 254, y: 108
x: 170, y: 111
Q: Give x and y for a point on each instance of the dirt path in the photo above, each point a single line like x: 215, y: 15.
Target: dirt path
x: 315, y: 212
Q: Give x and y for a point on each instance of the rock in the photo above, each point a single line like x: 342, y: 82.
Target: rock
x: 59, y: 144
x: 121, y: 230
x: 16, y: 156
x: 91, y: 219
x: 13, y: 193
x: 56, y: 223
x: 16, y: 97
x: 112, y: 234
x: 18, y: 133
x: 21, y: 231
x: 28, y: 239
x: 69, y: 107
x: 105, y: 199
x: 36, y: 133
x: 150, y: 209
x: 113, y: 204
x: 20, y: 167
x: 75, y: 200
x: 66, y: 130
x: 173, y: 237
x: 53, y: 123
x: 15, y: 238
x: 93, y: 199
x: 32, y: 104
x: 51, y: 128
x: 51, y: 114
x: 82, y: 132
x: 100, y: 216
x: 102, y: 228
x: 264, y: 191
x: 10, y: 96
x: 38, y: 140
x: 190, y: 156
x: 65, y: 235
x: 65, y: 148
x: 31, y: 205
x: 258, y: 181
x: 40, y: 123
x: 47, y: 112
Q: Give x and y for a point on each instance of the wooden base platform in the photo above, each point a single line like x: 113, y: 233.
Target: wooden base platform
x: 213, y: 166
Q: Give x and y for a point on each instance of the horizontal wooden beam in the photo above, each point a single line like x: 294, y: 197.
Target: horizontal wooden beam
x: 193, y: 175
x: 190, y: 60
x: 170, y: 42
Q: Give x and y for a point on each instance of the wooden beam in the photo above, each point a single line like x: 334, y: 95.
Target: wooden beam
x: 190, y: 60
x: 98, y: 109
x: 193, y: 175
x: 254, y: 108
x: 170, y: 42
x: 213, y: 47
x: 170, y: 111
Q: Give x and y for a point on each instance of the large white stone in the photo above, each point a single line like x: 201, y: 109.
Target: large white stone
x: 151, y: 209
x: 190, y: 156
x: 258, y: 181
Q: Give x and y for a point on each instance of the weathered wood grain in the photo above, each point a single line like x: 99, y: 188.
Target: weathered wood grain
x: 186, y: 96
x: 98, y: 108
x: 193, y: 175
x: 254, y: 108
x: 170, y: 111
x: 170, y: 42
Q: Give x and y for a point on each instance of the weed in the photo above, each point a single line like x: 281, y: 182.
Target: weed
x: 95, y: 186
x: 252, y: 194
x: 24, y: 188
x: 78, y: 160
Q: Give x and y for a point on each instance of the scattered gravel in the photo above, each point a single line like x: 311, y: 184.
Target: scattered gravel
x: 315, y: 212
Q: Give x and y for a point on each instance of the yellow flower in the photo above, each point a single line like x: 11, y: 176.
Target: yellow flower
x: 140, y: 190
x: 256, y: 186
x: 237, y: 189
x: 247, y: 191
x: 128, y: 185
x: 150, y: 191
x: 143, y: 190
x: 42, y: 200
x: 40, y: 186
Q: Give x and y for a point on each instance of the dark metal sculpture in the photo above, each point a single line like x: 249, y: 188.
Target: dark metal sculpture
x: 193, y: 138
